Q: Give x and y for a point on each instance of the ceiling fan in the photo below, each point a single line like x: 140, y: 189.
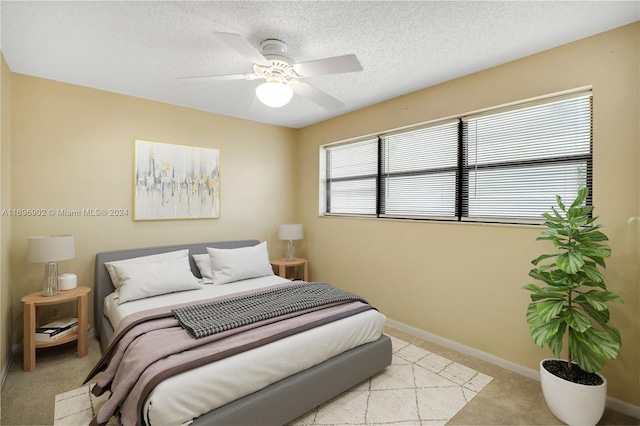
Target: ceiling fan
x: 283, y: 76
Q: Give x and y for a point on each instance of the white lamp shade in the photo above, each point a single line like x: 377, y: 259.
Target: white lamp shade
x: 50, y: 248
x: 290, y: 231
x: 274, y: 94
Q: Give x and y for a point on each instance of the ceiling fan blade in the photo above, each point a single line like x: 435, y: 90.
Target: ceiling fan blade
x: 316, y: 95
x: 242, y: 46
x: 335, y: 65
x: 222, y: 77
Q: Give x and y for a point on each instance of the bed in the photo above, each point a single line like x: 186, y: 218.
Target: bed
x: 285, y: 398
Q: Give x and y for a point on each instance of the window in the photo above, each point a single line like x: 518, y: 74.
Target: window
x: 419, y: 170
x: 505, y: 165
x: 352, y: 171
x: 518, y: 160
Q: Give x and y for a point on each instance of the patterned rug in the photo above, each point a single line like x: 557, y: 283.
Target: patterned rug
x: 418, y: 388
x: 78, y: 407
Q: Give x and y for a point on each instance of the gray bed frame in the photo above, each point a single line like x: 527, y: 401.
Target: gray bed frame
x: 280, y: 402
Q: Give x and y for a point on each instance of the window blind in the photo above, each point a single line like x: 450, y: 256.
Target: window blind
x: 419, y: 172
x: 516, y: 161
x: 351, y: 175
x: 505, y: 165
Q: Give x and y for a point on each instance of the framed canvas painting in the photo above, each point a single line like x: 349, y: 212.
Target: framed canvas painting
x: 175, y: 181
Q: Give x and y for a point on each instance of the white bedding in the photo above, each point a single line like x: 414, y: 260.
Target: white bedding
x: 184, y: 397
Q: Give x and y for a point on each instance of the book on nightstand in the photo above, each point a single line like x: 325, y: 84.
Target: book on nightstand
x: 56, y: 329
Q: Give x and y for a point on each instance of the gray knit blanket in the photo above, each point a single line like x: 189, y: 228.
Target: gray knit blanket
x: 208, y: 318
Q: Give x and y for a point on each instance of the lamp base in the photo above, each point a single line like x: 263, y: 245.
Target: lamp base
x: 290, y: 254
x: 50, y: 279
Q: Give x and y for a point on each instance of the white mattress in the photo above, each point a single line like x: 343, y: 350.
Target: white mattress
x: 186, y: 396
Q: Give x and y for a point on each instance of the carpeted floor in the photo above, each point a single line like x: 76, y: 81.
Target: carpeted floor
x: 419, y: 387
x: 509, y: 399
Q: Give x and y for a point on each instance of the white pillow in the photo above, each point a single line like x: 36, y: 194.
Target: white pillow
x: 140, y: 280
x: 203, y: 261
x: 237, y: 264
x: 143, y: 259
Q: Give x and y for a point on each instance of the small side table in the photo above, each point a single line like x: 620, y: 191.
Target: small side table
x: 32, y: 300
x: 283, y: 264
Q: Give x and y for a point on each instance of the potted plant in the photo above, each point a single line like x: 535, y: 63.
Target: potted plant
x: 571, y: 303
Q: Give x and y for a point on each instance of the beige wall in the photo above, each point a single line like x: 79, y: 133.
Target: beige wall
x: 5, y: 221
x: 463, y: 281
x: 72, y: 148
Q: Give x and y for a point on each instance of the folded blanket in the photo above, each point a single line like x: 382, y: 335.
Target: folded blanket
x: 205, y: 319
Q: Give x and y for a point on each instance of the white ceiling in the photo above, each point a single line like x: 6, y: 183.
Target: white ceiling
x: 139, y: 48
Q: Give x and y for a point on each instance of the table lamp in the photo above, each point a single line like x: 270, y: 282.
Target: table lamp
x: 50, y: 249
x: 290, y: 232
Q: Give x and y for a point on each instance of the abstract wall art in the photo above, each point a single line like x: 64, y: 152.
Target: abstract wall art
x: 175, y: 181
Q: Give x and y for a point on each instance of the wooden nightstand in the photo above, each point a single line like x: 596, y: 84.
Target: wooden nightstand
x: 32, y: 301
x: 283, y: 264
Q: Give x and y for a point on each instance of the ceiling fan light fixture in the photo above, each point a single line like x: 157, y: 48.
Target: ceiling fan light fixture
x: 274, y: 93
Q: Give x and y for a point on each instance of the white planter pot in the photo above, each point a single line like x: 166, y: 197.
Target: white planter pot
x: 572, y: 403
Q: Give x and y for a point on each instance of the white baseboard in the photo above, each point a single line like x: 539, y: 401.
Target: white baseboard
x: 5, y: 368
x: 613, y: 403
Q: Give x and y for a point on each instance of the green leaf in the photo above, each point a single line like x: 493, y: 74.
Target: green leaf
x: 599, y: 260
x: 596, y: 303
x: 553, y: 221
x: 555, y: 342
x: 542, y: 257
x: 543, y: 293
x: 569, y: 262
x: 549, y: 309
x: 613, y: 333
x: 542, y: 333
x: 580, y: 198
x: 604, y: 296
x: 561, y: 278
x: 601, y: 317
x: 576, y: 320
x: 596, y: 236
x: 591, y: 271
x: 541, y: 276
x: 599, y: 342
x: 582, y: 355
x: 532, y: 313
x: 560, y: 204
x: 608, y: 345
x: 539, y: 334
x: 594, y: 251
x: 557, y: 216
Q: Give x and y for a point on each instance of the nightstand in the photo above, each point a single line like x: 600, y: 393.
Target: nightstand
x: 284, y: 264
x: 32, y: 301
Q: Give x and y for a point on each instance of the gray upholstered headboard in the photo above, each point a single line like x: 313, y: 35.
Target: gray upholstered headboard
x: 103, y: 285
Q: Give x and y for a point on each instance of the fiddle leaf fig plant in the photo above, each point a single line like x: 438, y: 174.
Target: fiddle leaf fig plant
x: 572, y: 299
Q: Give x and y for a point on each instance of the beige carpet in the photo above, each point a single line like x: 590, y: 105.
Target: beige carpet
x: 419, y: 388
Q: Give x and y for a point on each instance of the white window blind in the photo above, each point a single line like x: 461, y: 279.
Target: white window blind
x: 419, y: 172
x: 517, y: 161
x: 506, y: 165
x: 351, y: 175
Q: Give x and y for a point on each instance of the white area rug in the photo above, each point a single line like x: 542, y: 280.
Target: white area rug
x: 78, y: 407
x: 418, y: 388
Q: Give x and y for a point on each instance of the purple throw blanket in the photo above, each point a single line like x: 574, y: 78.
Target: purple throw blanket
x: 151, y: 346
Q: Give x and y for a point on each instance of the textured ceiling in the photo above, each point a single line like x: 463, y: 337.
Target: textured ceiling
x: 140, y: 48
